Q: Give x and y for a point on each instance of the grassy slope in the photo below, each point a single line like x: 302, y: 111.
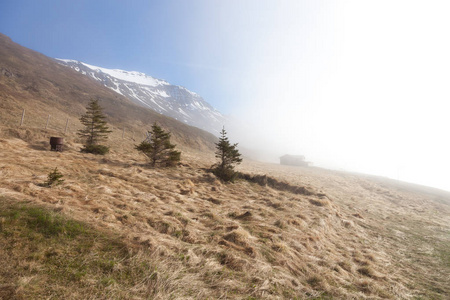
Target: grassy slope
x: 46, y: 255
x: 209, y: 240
x: 409, y: 223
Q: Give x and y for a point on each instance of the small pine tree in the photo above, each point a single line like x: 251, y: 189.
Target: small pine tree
x: 159, y: 149
x: 95, y: 129
x: 54, y: 178
x: 229, y: 155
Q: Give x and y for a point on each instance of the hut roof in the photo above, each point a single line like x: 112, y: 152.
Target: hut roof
x: 300, y: 157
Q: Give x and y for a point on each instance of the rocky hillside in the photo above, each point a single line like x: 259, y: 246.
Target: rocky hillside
x: 167, y: 99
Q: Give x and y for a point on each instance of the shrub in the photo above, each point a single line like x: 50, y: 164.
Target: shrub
x: 95, y: 149
x: 54, y: 178
x: 226, y: 174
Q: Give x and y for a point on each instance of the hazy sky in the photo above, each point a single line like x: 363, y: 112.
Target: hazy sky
x: 359, y: 85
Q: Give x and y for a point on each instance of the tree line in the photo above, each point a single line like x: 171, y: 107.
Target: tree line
x: 157, y: 147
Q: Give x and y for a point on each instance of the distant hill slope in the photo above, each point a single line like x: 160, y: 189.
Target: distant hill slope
x: 40, y: 85
x: 167, y: 99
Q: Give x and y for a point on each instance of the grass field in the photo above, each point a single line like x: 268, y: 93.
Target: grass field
x: 117, y: 229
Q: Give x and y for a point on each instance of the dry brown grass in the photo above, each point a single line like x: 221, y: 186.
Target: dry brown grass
x: 233, y: 241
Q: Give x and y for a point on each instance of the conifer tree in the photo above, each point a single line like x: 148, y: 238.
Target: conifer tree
x: 159, y: 149
x: 54, y: 178
x: 95, y: 129
x: 228, y: 156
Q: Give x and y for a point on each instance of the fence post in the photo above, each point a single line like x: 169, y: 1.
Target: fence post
x: 46, y: 125
x: 67, y: 124
x: 23, y: 116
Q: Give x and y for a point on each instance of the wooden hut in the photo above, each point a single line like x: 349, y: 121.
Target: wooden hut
x: 293, y: 160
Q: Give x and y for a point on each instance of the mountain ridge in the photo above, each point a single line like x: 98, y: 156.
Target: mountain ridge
x: 171, y: 100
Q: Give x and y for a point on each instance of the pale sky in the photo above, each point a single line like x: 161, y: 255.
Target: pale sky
x: 354, y: 85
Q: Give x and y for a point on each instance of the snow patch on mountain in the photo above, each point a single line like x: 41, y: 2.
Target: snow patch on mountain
x: 130, y: 76
x: 171, y: 100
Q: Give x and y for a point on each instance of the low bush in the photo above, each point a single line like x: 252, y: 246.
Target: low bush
x: 95, y: 149
x: 225, y: 174
x: 53, y: 178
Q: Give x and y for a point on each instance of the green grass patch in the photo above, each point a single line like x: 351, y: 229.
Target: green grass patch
x: 50, y: 224
x: 44, y: 254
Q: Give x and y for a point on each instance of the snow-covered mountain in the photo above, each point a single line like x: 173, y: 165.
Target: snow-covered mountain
x: 170, y: 100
